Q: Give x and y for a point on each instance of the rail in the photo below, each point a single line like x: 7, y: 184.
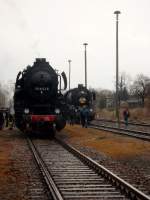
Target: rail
x: 123, y: 131
x: 119, y: 183
x: 46, y: 174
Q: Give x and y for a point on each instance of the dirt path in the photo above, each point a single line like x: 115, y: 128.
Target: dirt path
x: 116, y: 146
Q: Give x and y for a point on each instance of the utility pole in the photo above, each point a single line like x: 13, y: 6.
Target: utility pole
x: 117, y: 68
x: 85, y: 57
x: 69, y: 61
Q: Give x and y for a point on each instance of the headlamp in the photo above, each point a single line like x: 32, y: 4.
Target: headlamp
x: 57, y: 111
x: 26, y: 110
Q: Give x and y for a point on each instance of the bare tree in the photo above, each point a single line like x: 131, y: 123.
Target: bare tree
x: 102, y: 96
x: 138, y: 87
x: 124, y: 85
x: 6, y: 93
x: 2, y: 98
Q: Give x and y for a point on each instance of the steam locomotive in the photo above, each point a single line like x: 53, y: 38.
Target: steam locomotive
x: 78, y: 98
x: 38, y: 100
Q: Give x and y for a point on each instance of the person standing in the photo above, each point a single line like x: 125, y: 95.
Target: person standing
x: 6, y: 119
x: 84, y: 115
x: 126, y: 116
x: 72, y: 115
x: 1, y: 120
x: 11, y: 122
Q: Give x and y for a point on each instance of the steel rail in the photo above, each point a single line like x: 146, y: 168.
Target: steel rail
x: 45, y: 172
x: 67, y: 169
x: 127, y: 189
x: 122, y: 122
x: 132, y: 133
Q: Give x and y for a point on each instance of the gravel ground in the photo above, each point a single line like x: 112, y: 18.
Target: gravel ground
x: 20, y: 178
x: 127, y: 157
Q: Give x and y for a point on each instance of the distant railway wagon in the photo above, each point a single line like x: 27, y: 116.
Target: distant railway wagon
x: 38, y: 99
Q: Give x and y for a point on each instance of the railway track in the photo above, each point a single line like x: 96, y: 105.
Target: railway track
x: 70, y: 174
x: 144, y: 135
x: 122, y: 122
x: 131, y: 125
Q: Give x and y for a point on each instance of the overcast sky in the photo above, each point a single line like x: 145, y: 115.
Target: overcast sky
x: 57, y: 29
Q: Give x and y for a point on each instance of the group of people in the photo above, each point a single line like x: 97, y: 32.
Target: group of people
x: 81, y: 115
x: 6, y: 120
x: 84, y: 116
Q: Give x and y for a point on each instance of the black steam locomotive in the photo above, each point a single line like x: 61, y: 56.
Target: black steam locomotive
x: 77, y: 99
x: 38, y: 101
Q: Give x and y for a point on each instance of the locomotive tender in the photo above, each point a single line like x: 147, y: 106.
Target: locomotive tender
x: 38, y: 101
x: 77, y: 98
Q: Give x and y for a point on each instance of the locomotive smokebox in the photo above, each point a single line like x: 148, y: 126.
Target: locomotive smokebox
x: 41, y: 82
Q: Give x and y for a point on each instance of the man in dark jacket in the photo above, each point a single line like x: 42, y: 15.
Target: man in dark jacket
x: 126, y: 116
x: 84, y: 115
x: 1, y: 120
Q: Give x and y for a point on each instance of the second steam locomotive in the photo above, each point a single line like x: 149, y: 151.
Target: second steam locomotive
x: 38, y: 101
x: 77, y: 99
